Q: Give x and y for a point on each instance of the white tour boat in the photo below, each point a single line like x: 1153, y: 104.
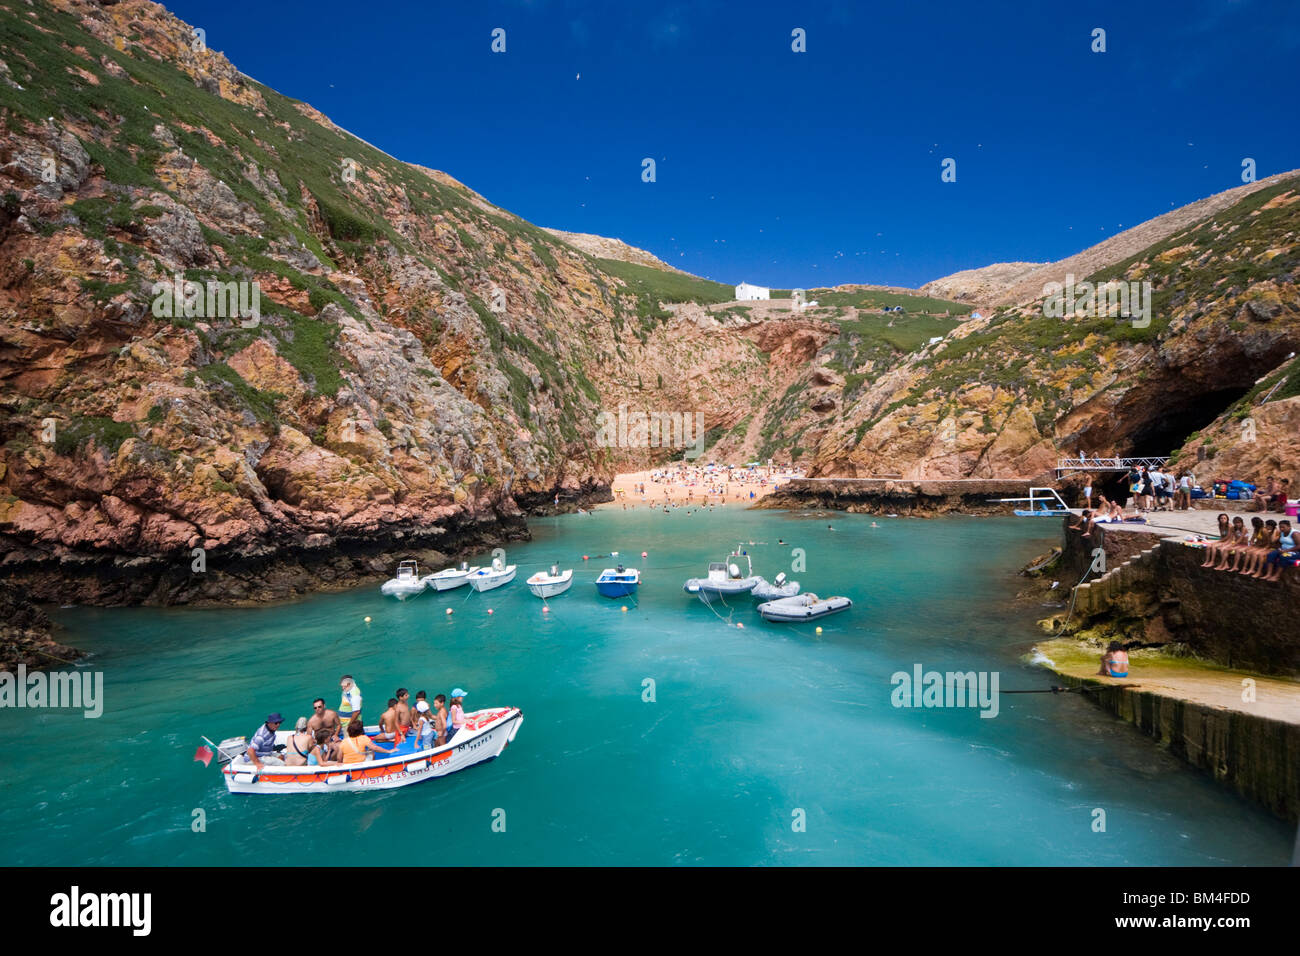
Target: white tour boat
x: 483, y: 737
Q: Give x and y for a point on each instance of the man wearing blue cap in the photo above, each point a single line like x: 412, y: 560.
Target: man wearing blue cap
x: 456, y: 718
x: 262, y: 749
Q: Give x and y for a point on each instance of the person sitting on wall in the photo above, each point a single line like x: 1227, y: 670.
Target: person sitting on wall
x: 1114, y: 663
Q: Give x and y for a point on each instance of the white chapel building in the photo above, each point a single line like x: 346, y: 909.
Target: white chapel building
x: 745, y: 291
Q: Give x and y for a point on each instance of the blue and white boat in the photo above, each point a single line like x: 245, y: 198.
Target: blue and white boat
x: 618, y: 582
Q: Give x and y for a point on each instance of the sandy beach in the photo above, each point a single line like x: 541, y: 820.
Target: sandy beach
x: 696, y: 486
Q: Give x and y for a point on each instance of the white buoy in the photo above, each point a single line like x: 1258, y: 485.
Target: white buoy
x: 367, y: 618
x: 448, y: 610
x: 819, y: 630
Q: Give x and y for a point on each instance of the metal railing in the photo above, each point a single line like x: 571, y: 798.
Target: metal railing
x: 1099, y: 463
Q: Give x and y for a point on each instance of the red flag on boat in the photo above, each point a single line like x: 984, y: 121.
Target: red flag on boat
x: 205, y: 754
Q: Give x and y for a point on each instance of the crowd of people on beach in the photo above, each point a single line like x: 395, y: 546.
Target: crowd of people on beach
x: 704, y: 485
x: 330, y: 737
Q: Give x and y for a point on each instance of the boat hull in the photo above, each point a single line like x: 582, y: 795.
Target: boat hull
x: 765, y: 590
x: 707, y: 589
x: 401, y: 589
x: 440, y: 582
x: 492, y: 731
x: 613, y: 590
x: 491, y: 580
x: 550, y: 587
x: 801, y: 608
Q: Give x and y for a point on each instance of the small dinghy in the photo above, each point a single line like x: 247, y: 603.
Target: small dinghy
x: 802, y: 607
x: 618, y: 582
x: 724, y: 578
x: 485, y: 579
x: 450, y: 578
x: 780, y: 588
x: 545, y: 584
x: 483, y: 737
x: 407, y: 582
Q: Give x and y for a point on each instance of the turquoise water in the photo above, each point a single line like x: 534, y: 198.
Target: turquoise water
x: 748, y: 727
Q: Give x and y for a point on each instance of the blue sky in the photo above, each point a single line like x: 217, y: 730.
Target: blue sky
x: 802, y: 169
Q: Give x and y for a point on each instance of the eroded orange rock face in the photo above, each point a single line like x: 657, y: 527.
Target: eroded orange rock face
x: 427, y: 366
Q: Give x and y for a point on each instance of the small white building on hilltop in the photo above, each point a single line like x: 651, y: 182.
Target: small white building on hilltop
x: 745, y: 291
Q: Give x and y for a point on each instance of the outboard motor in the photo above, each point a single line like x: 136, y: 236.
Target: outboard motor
x: 464, y: 565
x: 619, y: 569
x: 780, y: 579
x: 555, y: 570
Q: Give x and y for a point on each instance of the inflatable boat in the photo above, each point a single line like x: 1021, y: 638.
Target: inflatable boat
x: 407, y: 582
x: 779, y: 588
x: 802, y: 607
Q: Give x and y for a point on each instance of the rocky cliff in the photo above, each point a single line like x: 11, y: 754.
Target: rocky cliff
x: 234, y: 336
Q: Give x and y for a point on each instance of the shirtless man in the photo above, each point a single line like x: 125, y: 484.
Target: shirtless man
x: 322, y: 718
x: 388, y: 722
x: 403, y: 710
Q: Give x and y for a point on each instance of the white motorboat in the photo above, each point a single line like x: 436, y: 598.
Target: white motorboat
x: 483, y: 737
x: 778, y: 588
x: 450, y: 578
x: 548, y: 584
x: 724, y: 578
x: 802, y: 607
x: 407, y: 583
x: 485, y: 579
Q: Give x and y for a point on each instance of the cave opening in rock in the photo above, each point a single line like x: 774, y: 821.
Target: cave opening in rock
x: 1167, y: 428
x: 1170, y: 425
